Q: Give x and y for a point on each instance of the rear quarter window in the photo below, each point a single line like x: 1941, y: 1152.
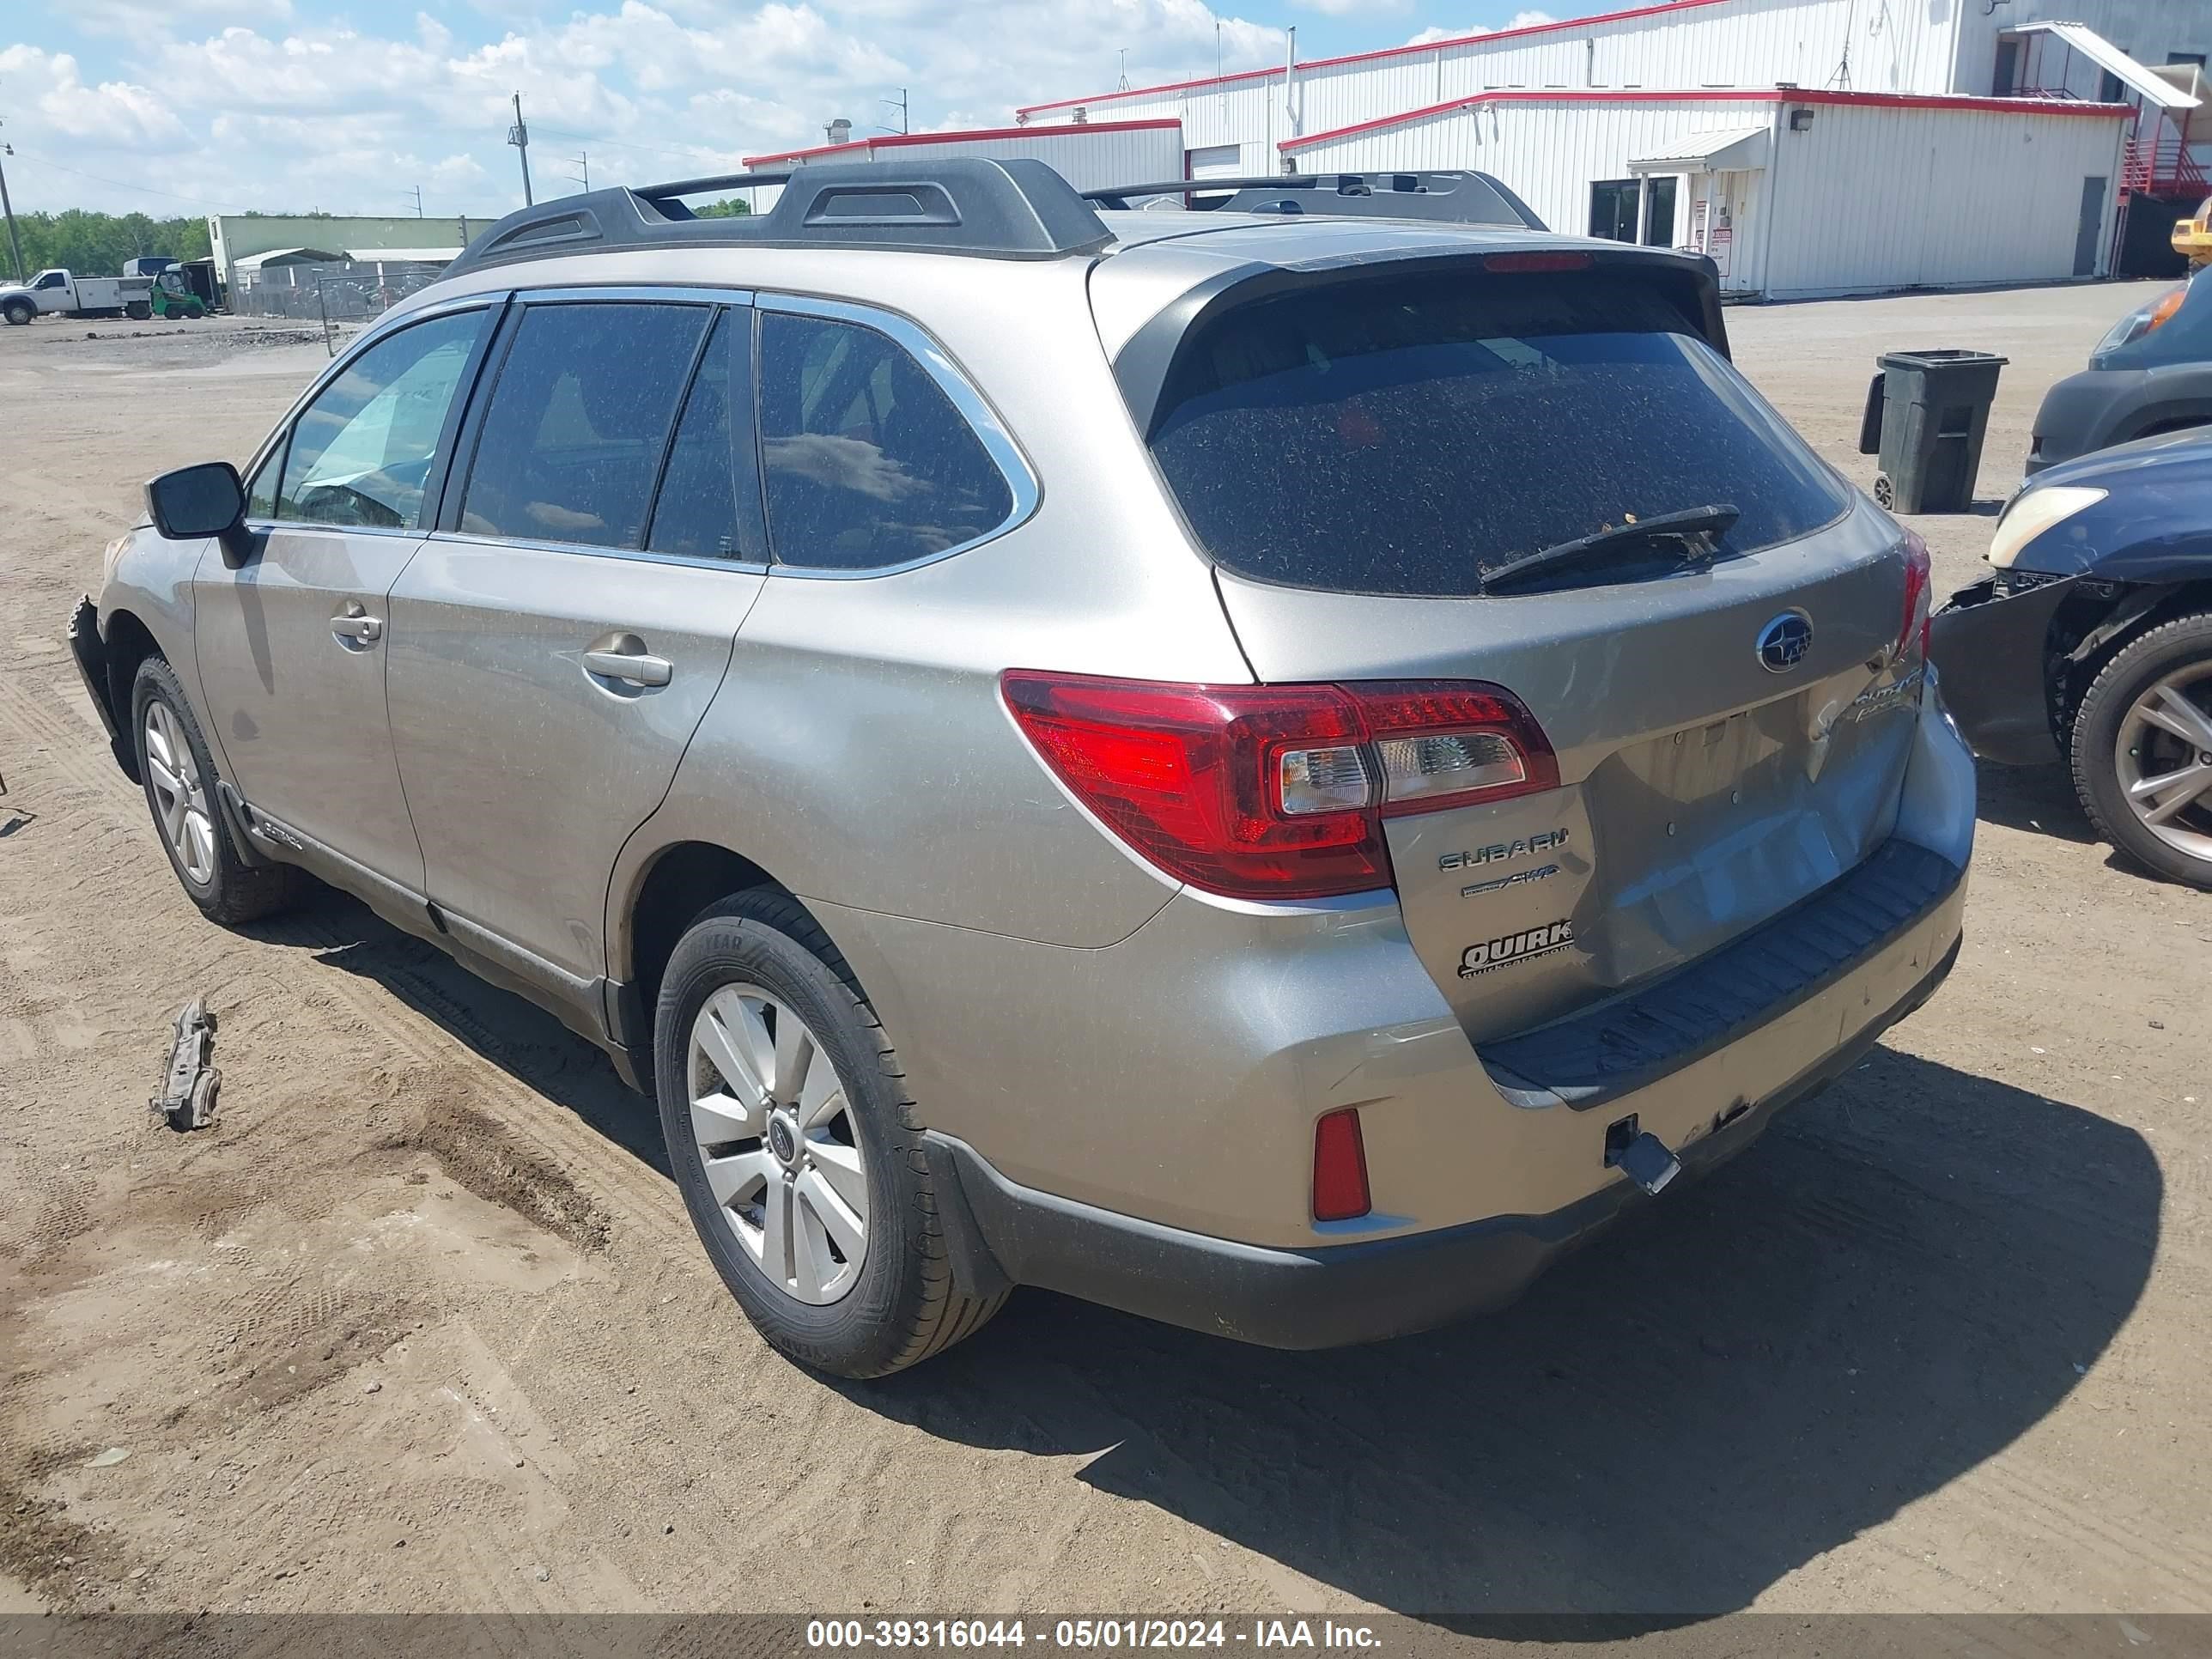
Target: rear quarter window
x: 1400, y: 437
x: 865, y: 461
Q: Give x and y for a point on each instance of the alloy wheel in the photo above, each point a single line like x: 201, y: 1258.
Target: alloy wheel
x: 181, y: 799
x: 2164, y: 757
x: 778, y: 1142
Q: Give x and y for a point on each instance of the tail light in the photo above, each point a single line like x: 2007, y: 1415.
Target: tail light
x: 1339, y: 1184
x: 1276, y: 791
x: 1913, y: 630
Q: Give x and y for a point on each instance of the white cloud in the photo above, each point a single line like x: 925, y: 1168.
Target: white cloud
x: 1520, y: 19
x: 116, y: 111
x: 267, y: 108
x: 140, y: 17
x: 1347, y: 8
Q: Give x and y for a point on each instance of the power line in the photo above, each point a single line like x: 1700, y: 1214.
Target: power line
x: 696, y: 152
x: 119, y: 184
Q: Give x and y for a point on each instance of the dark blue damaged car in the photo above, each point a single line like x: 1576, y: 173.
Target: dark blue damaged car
x: 2090, y: 644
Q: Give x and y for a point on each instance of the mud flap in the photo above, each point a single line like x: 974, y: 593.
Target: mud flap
x: 90, y: 653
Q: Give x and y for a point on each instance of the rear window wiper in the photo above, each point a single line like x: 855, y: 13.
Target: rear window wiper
x: 1697, y: 529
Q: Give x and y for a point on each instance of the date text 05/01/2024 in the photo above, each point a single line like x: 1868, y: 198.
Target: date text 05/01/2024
x: 1099, y: 1633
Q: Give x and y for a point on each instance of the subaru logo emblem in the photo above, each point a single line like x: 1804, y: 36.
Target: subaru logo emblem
x: 1783, y: 642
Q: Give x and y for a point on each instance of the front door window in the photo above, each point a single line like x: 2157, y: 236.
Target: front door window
x: 361, y: 451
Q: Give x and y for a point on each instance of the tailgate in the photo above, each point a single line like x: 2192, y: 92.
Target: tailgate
x: 1700, y: 793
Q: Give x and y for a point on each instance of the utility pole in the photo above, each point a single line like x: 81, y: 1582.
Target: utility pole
x: 417, y: 194
x: 582, y: 175
x: 519, y: 135
x: 14, y: 243
x: 898, y: 104
x: 1122, y: 85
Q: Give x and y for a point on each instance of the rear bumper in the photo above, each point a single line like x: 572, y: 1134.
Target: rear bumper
x: 1175, y: 1078
x: 1337, y: 1295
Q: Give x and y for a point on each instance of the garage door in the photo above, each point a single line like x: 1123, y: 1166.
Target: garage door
x: 1214, y: 161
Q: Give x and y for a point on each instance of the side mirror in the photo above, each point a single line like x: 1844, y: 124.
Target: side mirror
x: 207, y: 500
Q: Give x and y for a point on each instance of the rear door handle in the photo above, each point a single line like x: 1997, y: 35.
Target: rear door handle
x: 634, y: 666
x: 356, y: 623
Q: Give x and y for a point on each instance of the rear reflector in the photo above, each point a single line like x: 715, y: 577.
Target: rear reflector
x: 1276, y: 791
x: 1505, y: 262
x: 1339, y: 1187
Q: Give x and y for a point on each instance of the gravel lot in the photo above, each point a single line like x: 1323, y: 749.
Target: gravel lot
x: 422, y: 1325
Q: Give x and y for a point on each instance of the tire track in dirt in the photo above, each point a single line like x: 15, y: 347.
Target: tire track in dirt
x: 36, y: 706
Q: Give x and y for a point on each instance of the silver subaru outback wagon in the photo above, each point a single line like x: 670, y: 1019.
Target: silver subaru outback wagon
x: 1270, y: 769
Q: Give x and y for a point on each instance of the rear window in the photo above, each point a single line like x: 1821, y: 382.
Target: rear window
x: 1403, y: 437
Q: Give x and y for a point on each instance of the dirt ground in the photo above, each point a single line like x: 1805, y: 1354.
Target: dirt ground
x: 422, y: 1324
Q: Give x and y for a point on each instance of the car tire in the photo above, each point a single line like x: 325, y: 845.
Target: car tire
x: 2122, y: 739
x: 19, y: 312
x: 179, y: 779
x: 762, y: 1176
x: 139, y: 311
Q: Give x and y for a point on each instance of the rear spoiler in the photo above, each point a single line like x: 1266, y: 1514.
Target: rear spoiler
x: 1145, y: 366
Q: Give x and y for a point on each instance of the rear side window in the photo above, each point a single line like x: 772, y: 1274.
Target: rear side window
x: 1401, y: 437
x: 865, y: 460
x: 361, y: 451
x: 573, y: 437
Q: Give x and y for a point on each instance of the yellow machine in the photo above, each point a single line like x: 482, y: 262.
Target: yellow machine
x: 2192, y: 238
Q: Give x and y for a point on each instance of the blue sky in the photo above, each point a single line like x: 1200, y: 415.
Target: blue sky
x: 198, y: 106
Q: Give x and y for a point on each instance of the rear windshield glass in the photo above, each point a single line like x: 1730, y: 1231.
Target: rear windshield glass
x: 1402, y: 437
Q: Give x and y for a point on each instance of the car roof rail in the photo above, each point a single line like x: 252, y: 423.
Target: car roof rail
x: 1456, y: 196
x: 1017, y: 209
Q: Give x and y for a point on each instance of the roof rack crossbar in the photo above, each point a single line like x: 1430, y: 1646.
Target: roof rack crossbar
x: 676, y: 187
x: 1480, y: 199
x: 1118, y: 195
x: 1017, y: 209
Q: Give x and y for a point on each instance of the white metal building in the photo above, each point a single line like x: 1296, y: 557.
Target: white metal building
x: 1793, y: 194
x: 1811, y: 146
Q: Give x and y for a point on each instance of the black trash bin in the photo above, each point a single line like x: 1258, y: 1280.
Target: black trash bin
x: 1926, y: 414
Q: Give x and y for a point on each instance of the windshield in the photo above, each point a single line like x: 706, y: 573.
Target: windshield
x: 1402, y: 437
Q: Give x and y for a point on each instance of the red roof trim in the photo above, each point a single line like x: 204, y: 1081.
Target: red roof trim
x: 1628, y: 16
x: 900, y: 140
x: 1724, y: 95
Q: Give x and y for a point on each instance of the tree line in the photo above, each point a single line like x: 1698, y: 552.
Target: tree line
x: 97, y: 244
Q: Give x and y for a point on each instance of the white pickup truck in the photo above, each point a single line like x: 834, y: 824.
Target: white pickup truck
x: 60, y: 294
